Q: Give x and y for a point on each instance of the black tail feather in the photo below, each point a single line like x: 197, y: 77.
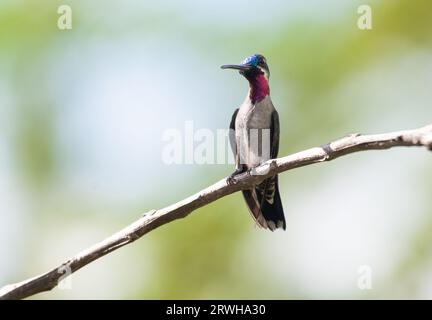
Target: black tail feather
x: 265, y: 204
x: 274, y: 212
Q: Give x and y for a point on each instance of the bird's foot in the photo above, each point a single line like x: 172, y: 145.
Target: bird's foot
x: 231, y: 178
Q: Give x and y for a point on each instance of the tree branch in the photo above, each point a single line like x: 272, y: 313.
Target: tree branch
x: 156, y: 218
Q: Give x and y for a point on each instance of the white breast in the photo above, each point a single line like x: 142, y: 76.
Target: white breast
x: 253, y: 121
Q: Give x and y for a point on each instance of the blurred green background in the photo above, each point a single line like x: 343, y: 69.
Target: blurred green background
x: 83, y: 111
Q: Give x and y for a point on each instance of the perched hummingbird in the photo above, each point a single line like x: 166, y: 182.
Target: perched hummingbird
x: 257, y: 114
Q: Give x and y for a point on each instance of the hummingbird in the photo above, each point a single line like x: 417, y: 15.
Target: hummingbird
x: 254, y: 129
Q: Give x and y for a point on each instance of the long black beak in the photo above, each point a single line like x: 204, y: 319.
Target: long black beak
x: 242, y: 67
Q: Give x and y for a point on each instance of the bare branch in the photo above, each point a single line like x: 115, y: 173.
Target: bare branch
x: 156, y: 218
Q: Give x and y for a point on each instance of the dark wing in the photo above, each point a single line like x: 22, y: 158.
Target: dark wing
x: 274, y: 135
x: 232, y: 138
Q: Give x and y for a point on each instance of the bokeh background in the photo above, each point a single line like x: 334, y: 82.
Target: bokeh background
x: 83, y: 111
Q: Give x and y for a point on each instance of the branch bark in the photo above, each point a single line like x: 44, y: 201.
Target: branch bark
x: 156, y: 218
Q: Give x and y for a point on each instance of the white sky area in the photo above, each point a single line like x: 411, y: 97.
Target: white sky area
x: 225, y: 13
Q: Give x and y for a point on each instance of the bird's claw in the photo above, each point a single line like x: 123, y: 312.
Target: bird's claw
x: 231, y: 179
